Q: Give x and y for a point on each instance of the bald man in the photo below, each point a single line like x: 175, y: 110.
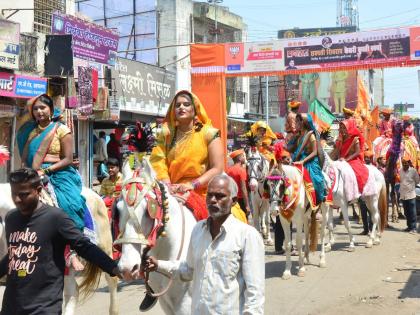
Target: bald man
x: 225, y: 259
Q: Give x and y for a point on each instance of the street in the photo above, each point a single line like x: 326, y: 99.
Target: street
x: 381, y: 280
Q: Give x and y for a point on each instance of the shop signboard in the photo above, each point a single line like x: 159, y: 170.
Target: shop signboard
x: 346, y: 50
x: 20, y: 86
x: 9, y: 44
x: 254, y: 57
x: 91, y: 41
x: 142, y: 88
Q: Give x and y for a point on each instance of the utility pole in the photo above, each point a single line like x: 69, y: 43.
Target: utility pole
x: 215, y: 2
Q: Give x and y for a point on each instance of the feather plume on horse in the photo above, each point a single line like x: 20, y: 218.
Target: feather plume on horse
x: 4, y: 155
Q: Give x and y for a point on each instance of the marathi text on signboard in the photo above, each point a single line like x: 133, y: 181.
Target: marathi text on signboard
x: 311, y: 32
x: 142, y: 88
x: 90, y: 41
x: 363, y: 48
x: 20, y: 86
x: 254, y: 57
x: 9, y: 44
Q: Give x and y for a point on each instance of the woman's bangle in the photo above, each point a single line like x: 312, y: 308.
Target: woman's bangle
x: 46, y: 170
x: 196, y: 184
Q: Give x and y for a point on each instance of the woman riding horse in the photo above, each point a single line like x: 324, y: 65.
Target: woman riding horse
x: 189, y: 150
x: 351, y: 150
x: 306, y: 154
x: 188, y: 154
x: 46, y: 145
x: 265, y: 138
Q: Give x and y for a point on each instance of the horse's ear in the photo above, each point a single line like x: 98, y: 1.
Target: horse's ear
x: 126, y: 170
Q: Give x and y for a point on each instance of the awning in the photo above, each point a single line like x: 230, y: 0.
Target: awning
x: 243, y: 120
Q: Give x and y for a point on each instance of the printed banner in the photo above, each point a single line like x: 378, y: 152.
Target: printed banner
x: 312, y: 32
x: 9, y: 44
x: 345, y: 50
x: 254, y: 57
x: 114, y: 109
x: 143, y: 88
x: 415, y: 43
x: 85, y: 91
x: 90, y: 41
x: 19, y: 86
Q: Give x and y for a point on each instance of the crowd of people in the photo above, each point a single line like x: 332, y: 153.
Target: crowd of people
x: 188, y: 158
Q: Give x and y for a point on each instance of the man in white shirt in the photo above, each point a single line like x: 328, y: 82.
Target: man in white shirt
x: 409, y: 178
x: 225, y: 259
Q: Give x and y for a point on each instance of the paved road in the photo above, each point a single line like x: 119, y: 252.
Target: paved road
x: 381, y: 280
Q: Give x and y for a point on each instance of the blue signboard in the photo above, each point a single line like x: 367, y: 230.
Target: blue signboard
x: 30, y: 86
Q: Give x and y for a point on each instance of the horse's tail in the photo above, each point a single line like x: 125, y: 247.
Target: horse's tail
x: 383, y: 207
x: 313, y: 232
x: 91, y: 277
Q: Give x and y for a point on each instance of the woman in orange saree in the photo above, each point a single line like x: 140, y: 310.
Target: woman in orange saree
x: 189, y: 150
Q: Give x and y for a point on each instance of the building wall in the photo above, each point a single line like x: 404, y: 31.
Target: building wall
x: 25, y: 18
x: 174, y: 28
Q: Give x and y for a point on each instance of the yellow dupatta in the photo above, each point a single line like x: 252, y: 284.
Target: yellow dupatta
x: 267, y: 139
x: 186, y: 159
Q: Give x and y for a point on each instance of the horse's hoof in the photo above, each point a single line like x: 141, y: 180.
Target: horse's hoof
x: 301, y: 272
x: 352, y: 248
x: 327, y: 248
x: 332, y: 241
x: 369, y: 244
x: 322, y: 264
x: 286, y: 275
x: 377, y: 242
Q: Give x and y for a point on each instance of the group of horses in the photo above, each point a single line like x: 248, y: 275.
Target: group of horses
x: 154, y: 222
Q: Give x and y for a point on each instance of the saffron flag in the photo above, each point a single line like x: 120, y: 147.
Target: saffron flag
x: 362, y: 108
x: 373, y: 130
x: 321, y: 115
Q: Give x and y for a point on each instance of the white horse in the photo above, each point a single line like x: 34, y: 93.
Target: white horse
x: 100, y: 216
x: 140, y: 194
x: 302, y: 218
x: 258, y: 168
x: 376, y: 203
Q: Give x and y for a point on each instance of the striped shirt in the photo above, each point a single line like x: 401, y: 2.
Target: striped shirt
x: 227, y: 273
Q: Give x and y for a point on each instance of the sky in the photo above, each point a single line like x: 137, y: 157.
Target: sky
x: 265, y: 17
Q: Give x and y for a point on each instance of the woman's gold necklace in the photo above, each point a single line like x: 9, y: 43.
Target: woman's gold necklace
x: 43, y: 128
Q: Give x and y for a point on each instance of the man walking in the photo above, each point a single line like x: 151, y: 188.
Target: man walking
x: 36, y: 237
x: 409, y: 178
x: 225, y: 260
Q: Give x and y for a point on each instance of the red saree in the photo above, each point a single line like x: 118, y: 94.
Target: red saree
x: 357, y: 163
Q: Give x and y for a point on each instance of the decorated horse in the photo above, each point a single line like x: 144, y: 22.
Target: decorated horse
x: 402, y: 144
x: 342, y: 176
x: 90, y: 276
x: 258, y: 168
x: 153, y: 222
x: 288, y: 198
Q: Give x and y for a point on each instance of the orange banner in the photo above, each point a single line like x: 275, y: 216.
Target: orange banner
x: 211, y: 89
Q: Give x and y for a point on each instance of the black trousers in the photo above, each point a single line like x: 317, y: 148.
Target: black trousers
x: 279, y: 234
x: 367, y: 220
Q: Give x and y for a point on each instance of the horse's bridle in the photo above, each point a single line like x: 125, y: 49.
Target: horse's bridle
x: 253, y: 174
x: 136, y: 184
x: 275, y: 195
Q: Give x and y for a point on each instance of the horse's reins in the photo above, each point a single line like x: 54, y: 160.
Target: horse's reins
x: 146, y: 274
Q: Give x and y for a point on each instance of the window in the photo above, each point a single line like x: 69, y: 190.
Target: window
x: 43, y: 10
